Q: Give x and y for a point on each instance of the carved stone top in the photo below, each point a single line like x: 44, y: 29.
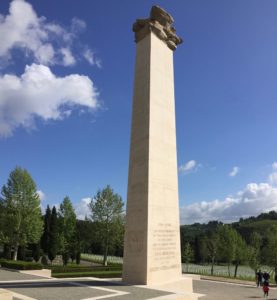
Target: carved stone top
x: 160, y: 23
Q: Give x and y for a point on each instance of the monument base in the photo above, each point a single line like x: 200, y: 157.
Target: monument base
x: 5, y: 295
x: 45, y: 273
x: 181, y: 289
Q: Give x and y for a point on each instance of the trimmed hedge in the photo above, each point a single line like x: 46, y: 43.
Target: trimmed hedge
x: 20, y: 265
x: 98, y: 274
x: 82, y: 269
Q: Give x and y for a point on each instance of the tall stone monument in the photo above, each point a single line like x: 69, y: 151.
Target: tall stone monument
x: 152, y: 238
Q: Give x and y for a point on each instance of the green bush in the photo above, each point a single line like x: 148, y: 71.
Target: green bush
x: 20, y: 265
x: 44, y: 260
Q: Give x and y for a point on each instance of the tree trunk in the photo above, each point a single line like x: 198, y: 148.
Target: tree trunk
x: 212, y: 268
x: 105, y: 260
x: 236, y: 269
x: 229, y: 269
x: 15, y: 252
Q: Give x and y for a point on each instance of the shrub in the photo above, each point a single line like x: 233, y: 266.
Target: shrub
x: 20, y: 265
x: 65, y: 257
x: 44, y: 260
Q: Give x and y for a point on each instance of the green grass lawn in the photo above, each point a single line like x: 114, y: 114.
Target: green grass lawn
x: 244, y: 272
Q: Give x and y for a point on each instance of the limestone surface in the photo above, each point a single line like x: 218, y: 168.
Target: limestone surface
x: 152, y: 235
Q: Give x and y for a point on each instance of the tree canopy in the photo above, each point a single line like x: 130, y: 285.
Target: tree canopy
x: 21, y: 213
x: 107, y: 212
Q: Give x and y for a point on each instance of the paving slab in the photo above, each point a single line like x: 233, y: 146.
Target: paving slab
x: 78, y: 289
x: 229, y: 291
x: 8, y: 275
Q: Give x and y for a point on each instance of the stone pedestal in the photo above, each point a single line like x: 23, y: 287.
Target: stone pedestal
x: 5, y: 295
x: 152, y: 238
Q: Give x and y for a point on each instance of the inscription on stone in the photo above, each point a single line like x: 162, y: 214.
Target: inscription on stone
x: 164, y: 247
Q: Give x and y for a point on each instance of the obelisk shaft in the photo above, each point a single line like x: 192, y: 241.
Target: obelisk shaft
x: 152, y: 235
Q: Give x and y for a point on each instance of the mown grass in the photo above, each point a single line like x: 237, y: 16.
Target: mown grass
x: 95, y: 258
x: 243, y: 273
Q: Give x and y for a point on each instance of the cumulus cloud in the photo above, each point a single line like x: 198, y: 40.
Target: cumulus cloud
x: 41, y: 195
x: 274, y: 166
x: 47, y: 42
x: 234, y: 171
x: 189, y: 167
x: 251, y: 201
x: 81, y: 209
x: 68, y: 58
x: 273, y: 178
x: 40, y: 93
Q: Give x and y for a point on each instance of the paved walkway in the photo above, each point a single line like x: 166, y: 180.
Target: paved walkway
x: 6, y: 275
x: 29, y: 287
x: 230, y: 291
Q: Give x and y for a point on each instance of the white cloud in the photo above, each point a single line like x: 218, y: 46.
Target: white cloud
x: 78, y: 25
x: 234, y: 171
x: 253, y: 200
x: 68, y: 58
x: 41, y: 195
x: 274, y: 166
x: 90, y: 57
x: 188, y: 167
x: 46, y: 42
x: 39, y: 93
x: 272, y: 178
x: 82, y: 209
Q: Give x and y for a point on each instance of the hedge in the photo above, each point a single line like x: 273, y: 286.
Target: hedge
x: 98, y: 274
x: 82, y: 269
x: 20, y: 265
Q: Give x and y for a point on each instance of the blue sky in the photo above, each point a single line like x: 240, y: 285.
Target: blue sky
x: 66, y: 77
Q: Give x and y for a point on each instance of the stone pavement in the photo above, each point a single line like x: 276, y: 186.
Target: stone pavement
x: 28, y: 287
x: 6, y: 275
x: 230, y: 291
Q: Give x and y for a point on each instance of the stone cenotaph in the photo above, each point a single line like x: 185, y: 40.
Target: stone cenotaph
x: 152, y: 237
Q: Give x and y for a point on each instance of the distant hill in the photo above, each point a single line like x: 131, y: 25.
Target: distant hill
x: 190, y: 233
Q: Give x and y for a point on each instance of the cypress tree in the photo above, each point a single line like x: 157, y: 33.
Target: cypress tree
x: 46, y: 230
x: 36, y: 252
x: 54, y: 235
